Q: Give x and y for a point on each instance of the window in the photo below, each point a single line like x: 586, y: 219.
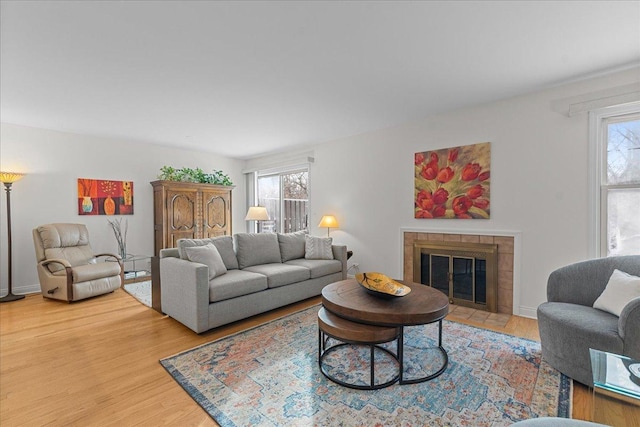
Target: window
x: 285, y: 195
x: 616, y: 161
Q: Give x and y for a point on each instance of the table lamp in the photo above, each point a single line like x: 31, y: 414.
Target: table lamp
x: 257, y: 213
x: 8, y: 178
x: 328, y: 221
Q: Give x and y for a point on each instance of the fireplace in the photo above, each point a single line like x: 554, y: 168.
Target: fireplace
x: 466, y: 272
x: 505, y: 260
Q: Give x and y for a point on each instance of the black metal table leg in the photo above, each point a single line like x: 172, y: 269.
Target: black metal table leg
x: 427, y: 377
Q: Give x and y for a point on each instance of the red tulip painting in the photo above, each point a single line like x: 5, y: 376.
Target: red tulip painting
x: 453, y: 182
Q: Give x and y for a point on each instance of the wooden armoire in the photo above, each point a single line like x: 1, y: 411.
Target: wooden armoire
x: 189, y: 210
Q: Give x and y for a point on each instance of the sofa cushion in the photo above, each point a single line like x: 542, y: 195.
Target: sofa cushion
x: 281, y: 274
x: 209, y: 256
x: 582, y: 324
x: 318, y: 247
x: 318, y: 267
x: 621, y: 288
x: 224, y: 245
x: 235, y: 284
x: 256, y: 249
x: 292, y: 245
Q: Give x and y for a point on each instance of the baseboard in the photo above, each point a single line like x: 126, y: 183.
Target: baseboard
x: 23, y: 290
x: 529, y: 312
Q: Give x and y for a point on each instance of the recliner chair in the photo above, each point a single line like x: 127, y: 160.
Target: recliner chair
x: 67, y: 267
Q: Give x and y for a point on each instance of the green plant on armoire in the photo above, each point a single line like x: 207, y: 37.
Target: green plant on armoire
x: 168, y: 173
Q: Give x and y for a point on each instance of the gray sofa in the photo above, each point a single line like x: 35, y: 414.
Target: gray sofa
x: 569, y: 325
x: 263, y: 272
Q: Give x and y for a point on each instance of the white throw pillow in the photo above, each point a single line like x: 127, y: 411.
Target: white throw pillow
x: 209, y: 256
x: 621, y: 288
x: 318, y: 247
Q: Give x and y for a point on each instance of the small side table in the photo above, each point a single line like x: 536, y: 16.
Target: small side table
x: 616, y: 391
x: 136, y: 274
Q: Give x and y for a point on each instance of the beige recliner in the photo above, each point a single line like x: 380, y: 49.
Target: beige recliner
x: 67, y: 267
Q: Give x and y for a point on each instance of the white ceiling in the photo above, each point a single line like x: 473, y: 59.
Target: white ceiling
x: 247, y: 78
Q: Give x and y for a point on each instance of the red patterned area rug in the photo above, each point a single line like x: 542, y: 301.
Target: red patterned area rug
x: 269, y: 376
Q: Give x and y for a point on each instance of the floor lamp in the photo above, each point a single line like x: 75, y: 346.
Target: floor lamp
x: 8, y: 178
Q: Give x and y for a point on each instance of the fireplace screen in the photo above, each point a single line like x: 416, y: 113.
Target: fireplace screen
x: 465, y: 272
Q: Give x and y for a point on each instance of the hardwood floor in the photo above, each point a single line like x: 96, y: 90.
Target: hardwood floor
x: 95, y: 362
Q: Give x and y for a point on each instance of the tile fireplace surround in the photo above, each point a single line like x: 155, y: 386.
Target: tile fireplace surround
x: 505, y: 259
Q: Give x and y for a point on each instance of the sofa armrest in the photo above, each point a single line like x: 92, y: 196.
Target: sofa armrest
x: 629, y: 328
x: 50, y: 282
x: 185, y: 292
x: 169, y: 252
x: 117, y: 258
x: 63, y: 262
x: 108, y: 255
x: 340, y: 253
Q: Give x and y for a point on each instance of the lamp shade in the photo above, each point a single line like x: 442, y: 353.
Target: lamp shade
x: 328, y: 221
x: 257, y: 213
x: 10, y: 177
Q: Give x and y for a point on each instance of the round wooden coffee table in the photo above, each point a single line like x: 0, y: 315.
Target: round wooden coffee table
x: 423, y: 305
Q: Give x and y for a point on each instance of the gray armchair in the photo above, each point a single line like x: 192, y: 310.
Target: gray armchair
x: 67, y: 267
x: 569, y: 325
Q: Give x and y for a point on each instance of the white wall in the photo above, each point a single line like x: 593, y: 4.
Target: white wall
x: 539, y: 186
x: 53, y: 161
x: 539, y: 171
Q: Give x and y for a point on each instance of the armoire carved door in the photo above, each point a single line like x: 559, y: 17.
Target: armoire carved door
x: 189, y: 210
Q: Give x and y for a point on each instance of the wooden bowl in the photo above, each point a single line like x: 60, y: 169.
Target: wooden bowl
x: 382, y: 286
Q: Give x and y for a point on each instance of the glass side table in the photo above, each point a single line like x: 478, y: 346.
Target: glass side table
x: 616, y: 389
x: 136, y: 273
